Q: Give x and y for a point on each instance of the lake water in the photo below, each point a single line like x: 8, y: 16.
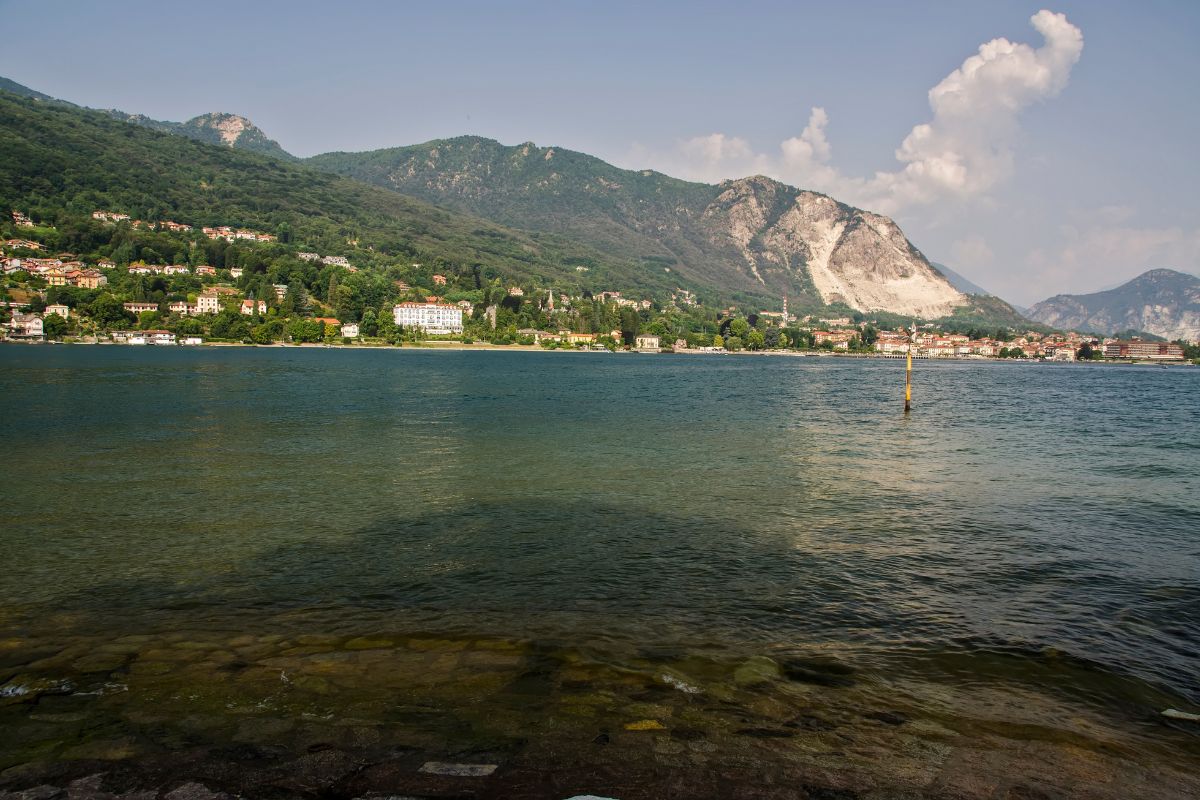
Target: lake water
x: 399, y: 556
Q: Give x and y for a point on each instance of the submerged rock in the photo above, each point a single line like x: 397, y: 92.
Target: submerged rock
x: 458, y: 770
x: 756, y: 672
x: 820, y: 671
x: 645, y: 725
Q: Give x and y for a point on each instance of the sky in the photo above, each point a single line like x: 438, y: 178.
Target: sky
x: 1036, y: 148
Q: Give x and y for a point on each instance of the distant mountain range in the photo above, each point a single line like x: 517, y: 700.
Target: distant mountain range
x: 1162, y: 302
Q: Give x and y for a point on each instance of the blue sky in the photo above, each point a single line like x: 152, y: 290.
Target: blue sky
x: 1071, y: 162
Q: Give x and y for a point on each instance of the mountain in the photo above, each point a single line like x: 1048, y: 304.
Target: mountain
x: 1162, y: 302
x: 228, y: 130
x: 60, y: 162
x: 959, y: 282
x: 215, y: 128
x: 24, y: 91
x: 754, y: 236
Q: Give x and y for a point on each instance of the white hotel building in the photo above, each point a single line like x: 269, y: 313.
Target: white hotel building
x: 429, y: 317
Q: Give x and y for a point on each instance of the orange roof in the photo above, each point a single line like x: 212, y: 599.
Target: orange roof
x: 328, y: 320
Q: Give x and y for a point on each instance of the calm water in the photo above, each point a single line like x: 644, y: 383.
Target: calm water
x: 1028, y: 527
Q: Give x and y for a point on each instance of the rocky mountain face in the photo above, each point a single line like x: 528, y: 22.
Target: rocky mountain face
x: 753, y: 235
x: 217, y: 128
x: 1162, y: 301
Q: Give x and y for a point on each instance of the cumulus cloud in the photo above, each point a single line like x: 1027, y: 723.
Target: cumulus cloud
x: 962, y: 151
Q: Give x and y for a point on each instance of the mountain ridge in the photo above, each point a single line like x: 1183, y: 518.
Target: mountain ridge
x: 1164, y: 302
x: 754, y: 235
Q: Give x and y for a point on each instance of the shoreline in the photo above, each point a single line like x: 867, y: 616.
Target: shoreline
x: 532, y: 348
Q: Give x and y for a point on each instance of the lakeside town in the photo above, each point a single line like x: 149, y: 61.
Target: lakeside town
x: 223, y: 287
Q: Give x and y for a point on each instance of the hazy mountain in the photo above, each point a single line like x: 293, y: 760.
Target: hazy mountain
x: 753, y: 235
x: 1162, y: 301
x: 959, y: 282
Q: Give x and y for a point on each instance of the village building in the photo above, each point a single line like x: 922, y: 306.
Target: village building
x: 205, y: 269
x: 350, y: 330
x: 235, y: 272
x: 60, y: 309
x: 1138, y: 349
x: 109, y: 216
x: 208, y: 303
x: 19, y: 244
x: 55, y: 277
x: 138, y: 308
x: 159, y: 337
x: 439, y: 280
x: 248, y: 306
x: 180, y: 307
x: 647, y: 342
x: 27, y: 326
x: 429, y: 317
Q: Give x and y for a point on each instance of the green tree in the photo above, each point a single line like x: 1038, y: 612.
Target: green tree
x: 755, y: 341
x: 733, y: 343
x: 54, y: 326
x: 107, y: 311
x: 717, y: 341
x: 740, y: 328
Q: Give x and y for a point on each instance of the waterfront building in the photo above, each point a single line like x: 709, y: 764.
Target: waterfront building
x: 1136, y: 348
x: 429, y: 317
x: 26, y: 325
x: 647, y: 342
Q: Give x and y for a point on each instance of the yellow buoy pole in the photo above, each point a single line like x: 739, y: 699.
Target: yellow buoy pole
x: 908, y: 370
x: 908, y: 382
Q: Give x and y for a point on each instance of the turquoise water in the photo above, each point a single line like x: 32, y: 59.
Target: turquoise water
x: 1028, y: 528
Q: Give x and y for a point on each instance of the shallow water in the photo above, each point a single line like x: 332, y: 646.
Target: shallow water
x: 451, y: 551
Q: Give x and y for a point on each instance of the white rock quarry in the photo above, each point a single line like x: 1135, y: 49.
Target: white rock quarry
x: 851, y: 256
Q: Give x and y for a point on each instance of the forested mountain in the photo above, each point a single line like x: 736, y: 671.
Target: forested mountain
x: 752, y: 235
x: 57, y: 159
x: 1162, y: 302
x: 229, y: 130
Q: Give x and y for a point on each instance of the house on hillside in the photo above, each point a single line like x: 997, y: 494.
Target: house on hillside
x: 350, y: 330
x: 60, y: 309
x: 208, y: 303
x: 26, y: 326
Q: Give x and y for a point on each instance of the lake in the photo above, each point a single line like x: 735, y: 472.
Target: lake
x: 312, y: 571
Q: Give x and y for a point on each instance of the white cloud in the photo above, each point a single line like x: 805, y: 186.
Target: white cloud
x: 962, y: 152
x: 972, y: 252
x: 1100, y: 255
